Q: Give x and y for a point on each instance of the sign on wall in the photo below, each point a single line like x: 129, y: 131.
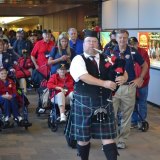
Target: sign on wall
x: 151, y: 42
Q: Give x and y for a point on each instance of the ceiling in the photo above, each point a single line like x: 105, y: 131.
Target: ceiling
x: 31, y: 9
x: 39, y: 7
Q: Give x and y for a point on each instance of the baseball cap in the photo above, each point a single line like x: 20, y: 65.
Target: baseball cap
x: 62, y: 67
x: 132, y: 40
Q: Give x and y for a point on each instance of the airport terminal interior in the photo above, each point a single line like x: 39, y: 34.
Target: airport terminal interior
x: 40, y: 140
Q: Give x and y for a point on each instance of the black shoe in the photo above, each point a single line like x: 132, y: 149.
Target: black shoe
x: 7, y: 124
x: 25, y: 123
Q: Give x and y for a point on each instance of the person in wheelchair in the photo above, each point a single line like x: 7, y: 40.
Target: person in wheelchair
x: 61, y: 85
x: 8, y: 99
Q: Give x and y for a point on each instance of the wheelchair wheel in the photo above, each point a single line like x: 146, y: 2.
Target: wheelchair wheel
x: 38, y: 114
x: 54, y: 126
x: 1, y: 125
x: 145, y: 126
x: 49, y: 122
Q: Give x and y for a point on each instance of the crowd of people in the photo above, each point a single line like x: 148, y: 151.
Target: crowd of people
x: 85, y: 79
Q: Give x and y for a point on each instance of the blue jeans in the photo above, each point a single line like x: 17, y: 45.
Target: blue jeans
x: 141, y: 105
x: 10, y: 106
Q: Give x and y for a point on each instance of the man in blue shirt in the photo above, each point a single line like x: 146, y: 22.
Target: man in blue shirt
x: 124, y: 98
x: 22, y: 43
x: 75, y: 43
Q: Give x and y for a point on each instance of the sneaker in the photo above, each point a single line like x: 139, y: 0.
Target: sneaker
x: 63, y: 117
x: 41, y: 110
x: 58, y: 118
x: 121, y: 145
x: 20, y: 118
x: 6, y: 119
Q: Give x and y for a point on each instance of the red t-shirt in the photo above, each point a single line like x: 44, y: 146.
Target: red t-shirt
x: 39, y: 50
x: 145, y: 56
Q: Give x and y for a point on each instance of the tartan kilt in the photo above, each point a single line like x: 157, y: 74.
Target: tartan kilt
x: 82, y: 128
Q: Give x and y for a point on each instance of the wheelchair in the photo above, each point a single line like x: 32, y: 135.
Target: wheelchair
x: 54, y: 117
x: 24, y: 107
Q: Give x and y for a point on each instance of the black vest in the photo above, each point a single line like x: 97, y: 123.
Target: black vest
x: 85, y: 89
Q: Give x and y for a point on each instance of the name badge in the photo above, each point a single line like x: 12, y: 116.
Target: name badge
x: 133, y: 52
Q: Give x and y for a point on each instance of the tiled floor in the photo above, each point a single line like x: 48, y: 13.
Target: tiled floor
x: 39, y: 143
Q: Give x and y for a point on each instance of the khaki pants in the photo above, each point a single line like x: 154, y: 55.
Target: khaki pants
x: 61, y: 100
x: 124, y: 102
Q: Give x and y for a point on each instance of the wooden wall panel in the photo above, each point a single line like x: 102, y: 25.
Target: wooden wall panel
x: 61, y: 21
x: 45, y: 22
x: 72, y: 18
x: 55, y: 22
x: 50, y: 22
x: 80, y: 19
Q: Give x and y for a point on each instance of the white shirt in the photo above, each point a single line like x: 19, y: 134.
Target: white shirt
x: 78, y: 66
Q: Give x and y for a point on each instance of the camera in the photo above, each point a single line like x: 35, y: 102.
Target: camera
x: 46, y: 54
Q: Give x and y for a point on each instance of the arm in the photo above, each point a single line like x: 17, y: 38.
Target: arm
x: 52, y: 61
x: 144, y: 69
x: 53, y: 83
x: 78, y: 72
x: 87, y: 78
x: 139, y: 81
x: 34, y: 62
x: 52, y: 57
x: 34, y: 54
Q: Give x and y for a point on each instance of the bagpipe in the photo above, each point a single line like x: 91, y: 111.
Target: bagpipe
x: 115, y: 65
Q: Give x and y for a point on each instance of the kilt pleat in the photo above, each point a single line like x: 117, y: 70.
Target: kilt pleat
x: 82, y: 127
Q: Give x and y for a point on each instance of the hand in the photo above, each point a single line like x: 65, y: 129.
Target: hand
x: 61, y: 89
x: 137, y: 82
x: 7, y: 96
x: 12, y: 70
x: 110, y: 85
x: 120, y: 80
x: 24, y: 51
x: 64, y: 58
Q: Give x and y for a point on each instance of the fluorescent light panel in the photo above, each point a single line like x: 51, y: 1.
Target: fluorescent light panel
x: 5, y: 20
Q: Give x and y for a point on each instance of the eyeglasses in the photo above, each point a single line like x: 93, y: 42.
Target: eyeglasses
x: 91, y: 41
